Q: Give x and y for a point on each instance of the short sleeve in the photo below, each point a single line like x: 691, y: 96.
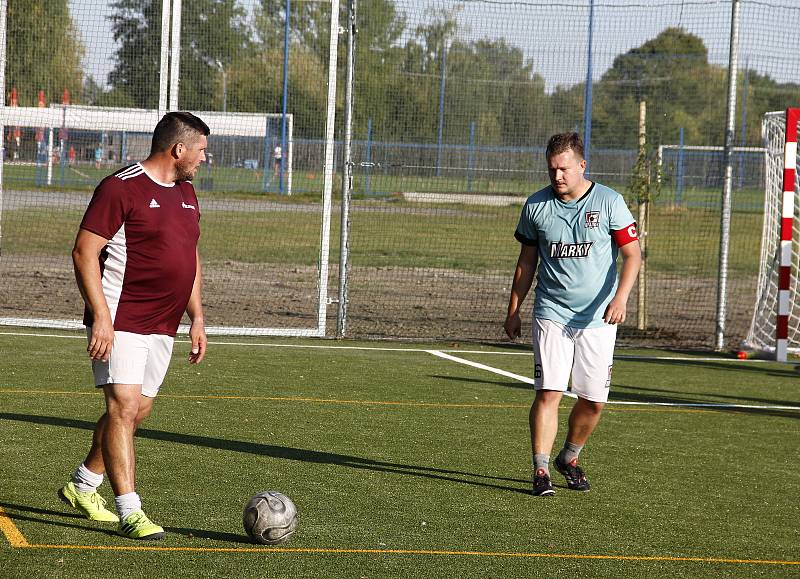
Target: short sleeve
x: 107, y: 209
x: 526, y: 232
x: 620, y: 214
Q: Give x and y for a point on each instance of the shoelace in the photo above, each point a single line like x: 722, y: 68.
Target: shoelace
x: 575, y: 472
x: 98, y: 500
x: 138, y: 518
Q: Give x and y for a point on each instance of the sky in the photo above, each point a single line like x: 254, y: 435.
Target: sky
x: 553, y: 34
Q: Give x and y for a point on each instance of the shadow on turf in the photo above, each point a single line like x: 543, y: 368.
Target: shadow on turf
x: 622, y: 393
x: 16, y: 511
x: 212, y: 535
x: 660, y: 395
x: 726, y: 364
x: 289, y: 453
x: 505, y: 384
x: 26, y: 513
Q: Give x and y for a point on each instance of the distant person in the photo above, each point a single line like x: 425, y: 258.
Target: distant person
x: 71, y: 155
x: 98, y: 157
x: 138, y: 270
x: 572, y: 230
x: 277, y: 159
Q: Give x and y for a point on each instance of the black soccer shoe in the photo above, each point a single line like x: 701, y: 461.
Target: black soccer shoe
x: 576, y: 479
x: 542, y: 487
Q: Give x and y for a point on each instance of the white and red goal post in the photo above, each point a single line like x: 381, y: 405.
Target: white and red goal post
x: 776, y: 317
x: 787, y: 224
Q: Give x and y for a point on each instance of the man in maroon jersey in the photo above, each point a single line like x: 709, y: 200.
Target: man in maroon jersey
x: 138, y: 270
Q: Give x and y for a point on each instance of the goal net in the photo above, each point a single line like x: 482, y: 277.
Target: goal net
x: 265, y: 191
x: 685, y: 168
x: 55, y: 156
x: 776, y: 317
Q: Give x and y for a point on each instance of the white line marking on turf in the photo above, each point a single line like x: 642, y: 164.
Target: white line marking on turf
x: 425, y: 350
x: 527, y: 380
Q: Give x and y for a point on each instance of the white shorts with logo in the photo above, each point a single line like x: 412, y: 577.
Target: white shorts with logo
x: 585, y: 353
x: 135, y: 359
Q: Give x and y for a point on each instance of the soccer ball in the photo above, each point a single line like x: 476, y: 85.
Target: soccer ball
x: 270, y: 518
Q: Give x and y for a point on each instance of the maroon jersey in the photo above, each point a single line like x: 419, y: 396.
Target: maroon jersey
x: 149, y: 264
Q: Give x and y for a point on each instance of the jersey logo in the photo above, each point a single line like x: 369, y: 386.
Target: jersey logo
x: 560, y: 250
x: 154, y: 204
x: 592, y: 220
x: 187, y: 206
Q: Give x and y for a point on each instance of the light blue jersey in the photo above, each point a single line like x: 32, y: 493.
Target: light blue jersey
x: 577, y: 273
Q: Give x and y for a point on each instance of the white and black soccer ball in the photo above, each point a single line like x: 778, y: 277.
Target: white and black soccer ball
x: 270, y: 518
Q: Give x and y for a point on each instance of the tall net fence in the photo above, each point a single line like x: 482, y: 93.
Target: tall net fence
x: 453, y: 103
x: 470, y: 93
x: 104, y: 73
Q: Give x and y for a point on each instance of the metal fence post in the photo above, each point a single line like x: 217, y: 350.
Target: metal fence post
x: 725, y: 216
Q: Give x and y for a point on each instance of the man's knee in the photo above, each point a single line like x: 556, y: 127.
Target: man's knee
x: 547, y: 398
x: 122, y: 412
x: 122, y: 407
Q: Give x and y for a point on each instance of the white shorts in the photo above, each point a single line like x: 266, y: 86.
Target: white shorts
x: 586, y: 353
x: 135, y: 359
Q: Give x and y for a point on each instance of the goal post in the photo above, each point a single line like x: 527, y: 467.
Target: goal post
x: 679, y: 163
x: 260, y: 129
x: 776, y: 317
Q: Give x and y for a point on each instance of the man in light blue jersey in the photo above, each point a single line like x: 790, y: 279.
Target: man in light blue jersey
x: 573, y: 230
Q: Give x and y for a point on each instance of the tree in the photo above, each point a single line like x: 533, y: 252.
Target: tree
x: 378, y: 51
x: 309, y: 25
x: 213, y: 34
x: 44, y: 52
x: 682, y: 89
x: 255, y: 85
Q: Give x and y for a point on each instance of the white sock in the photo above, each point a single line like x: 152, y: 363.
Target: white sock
x: 127, y: 503
x: 86, y: 481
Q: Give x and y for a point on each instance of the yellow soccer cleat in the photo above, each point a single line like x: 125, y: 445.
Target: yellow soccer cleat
x: 138, y: 526
x: 91, y: 504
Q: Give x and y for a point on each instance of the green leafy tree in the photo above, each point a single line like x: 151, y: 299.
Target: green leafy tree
x: 309, y: 25
x: 763, y: 95
x: 255, y: 84
x: 214, y: 33
x: 44, y: 52
x: 672, y: 74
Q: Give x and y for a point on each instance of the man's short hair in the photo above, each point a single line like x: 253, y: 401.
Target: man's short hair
x: 563, y: 142
x: 177, y: 127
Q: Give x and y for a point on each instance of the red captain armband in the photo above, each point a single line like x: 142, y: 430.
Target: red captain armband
x: 625, y: 236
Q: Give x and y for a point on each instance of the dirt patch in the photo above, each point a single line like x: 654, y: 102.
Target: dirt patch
x: 389, y: 302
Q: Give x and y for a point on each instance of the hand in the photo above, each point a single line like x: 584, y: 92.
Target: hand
x: 615, y: 311
x: 101, y: 341
x: 197, y: 333
x: 513, y: 326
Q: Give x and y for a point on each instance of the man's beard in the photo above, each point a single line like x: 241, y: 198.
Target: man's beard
x: 184, y: 173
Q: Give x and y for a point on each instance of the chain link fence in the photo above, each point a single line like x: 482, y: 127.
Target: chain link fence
x: 453, y: 103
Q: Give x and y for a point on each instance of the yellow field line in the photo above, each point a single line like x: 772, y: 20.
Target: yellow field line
x: 417, y: 552
x: 11, y: 531
x: 339, y: 401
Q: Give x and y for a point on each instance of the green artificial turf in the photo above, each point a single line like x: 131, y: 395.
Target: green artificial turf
x: 405, y: 464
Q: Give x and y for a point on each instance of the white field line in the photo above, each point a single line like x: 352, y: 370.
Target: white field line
x: 81, y: 336
x: 443, y: 354
x: 527, y: 380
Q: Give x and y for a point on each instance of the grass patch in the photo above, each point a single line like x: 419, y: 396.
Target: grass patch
x: 471, y: 239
